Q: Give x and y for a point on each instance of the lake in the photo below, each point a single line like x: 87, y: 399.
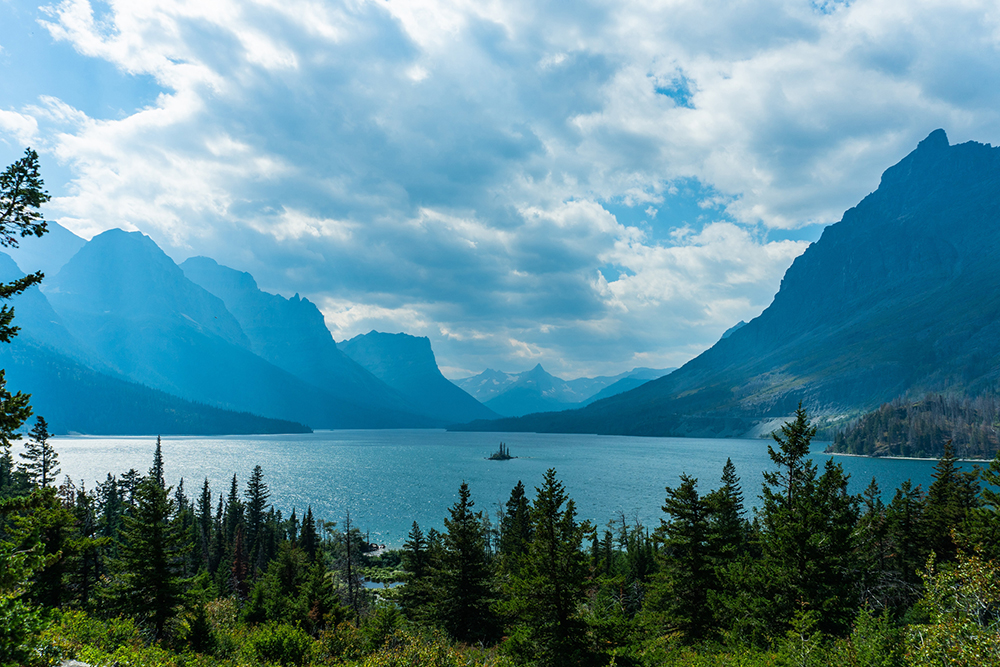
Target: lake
x: 389, y: 478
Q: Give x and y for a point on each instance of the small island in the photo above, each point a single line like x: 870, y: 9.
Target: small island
x: 502, y: 454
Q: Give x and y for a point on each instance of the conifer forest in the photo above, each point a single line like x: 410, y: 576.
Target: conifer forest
x: 136, y: 571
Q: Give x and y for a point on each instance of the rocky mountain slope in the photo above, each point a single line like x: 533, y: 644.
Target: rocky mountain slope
x: 902, y: 296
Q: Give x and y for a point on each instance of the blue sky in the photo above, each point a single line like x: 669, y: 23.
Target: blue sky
x: 592, y: 186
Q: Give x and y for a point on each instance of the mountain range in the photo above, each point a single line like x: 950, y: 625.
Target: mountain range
x: 123, y: 340
x: 898, y: 298
x: 516, y: 394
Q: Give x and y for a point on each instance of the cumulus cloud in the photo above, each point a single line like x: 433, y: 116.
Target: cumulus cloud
x: 448, y: 167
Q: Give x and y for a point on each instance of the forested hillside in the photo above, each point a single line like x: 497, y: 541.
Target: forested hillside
x: 921, y: 427
x: 140, y: 572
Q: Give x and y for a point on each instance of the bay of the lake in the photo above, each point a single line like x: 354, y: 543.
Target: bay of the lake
x: 388, y: 479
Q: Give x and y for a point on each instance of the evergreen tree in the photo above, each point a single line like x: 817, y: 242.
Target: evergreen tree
x: 462, y: 580
x: 416, y: 596
x: 678, y: 598
x: 905, y: 532
x: 156, y: 471
x: 147, y: 580
x: 547, y: 593
x: 40, y: 457
x: 727, y: 525
x: 14, y: 411
x: 515, y: 526
x: 293, y: 528
x: 984, y: 521
x: 950, y: 498
x: 204, y: 523
x: 807, y: 526
x: 257, y: 495
x: 309, y: 538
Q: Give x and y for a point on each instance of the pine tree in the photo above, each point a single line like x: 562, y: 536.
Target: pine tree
x: 679, y: 595
x: 416, y: 596
x: 147, y: 580
x: 950, y: 498
x: 257, y: 495
x: 156, y: 471
x: 547, y: 592
x: 309, y: 538
x: 806, y: 533
x: 462, y: 581
x: 905, y: 532
x: 204, y: 523
x: 515, y: 528
x: 14, y: 411
x: 727, y: 525
x: 40, y: 457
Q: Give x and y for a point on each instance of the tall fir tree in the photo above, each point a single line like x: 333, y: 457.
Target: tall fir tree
x: 462, y: 580
x: 147, y: 575
x: 257, y: 495
x: 41, y: 461
x: 678, y: 598
x: 515, y: 528
x: 546, y: 595
x: 950, y: 498
x: 807, y: 528
x: 309, y: 537
x: 156, y: 470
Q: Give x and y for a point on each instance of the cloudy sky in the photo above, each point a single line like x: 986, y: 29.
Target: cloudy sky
x: 589, y: 185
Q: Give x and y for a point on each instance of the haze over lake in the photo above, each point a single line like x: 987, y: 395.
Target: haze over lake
x: 389, y: 478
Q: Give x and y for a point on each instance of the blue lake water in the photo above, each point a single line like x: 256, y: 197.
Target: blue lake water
x: 388, y: 479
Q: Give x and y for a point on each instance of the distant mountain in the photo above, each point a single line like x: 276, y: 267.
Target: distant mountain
x: 898, y: 298
x: 47, y: 253
x: 292, y: 335
x: 533, y: 391
x: 634, y: 378
x: 76, y: 399
x: 516, y: 394
x: 76, y: 392
x: 406, y: 363
x: 122, y: 297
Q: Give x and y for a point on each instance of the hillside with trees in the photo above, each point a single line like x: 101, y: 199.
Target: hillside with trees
x: 919, y: 428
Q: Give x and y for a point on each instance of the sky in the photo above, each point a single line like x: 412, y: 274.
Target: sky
x: 592, y: 186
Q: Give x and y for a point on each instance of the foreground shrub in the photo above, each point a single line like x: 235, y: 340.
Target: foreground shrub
x: 281, y: 644
x: 963, y: 607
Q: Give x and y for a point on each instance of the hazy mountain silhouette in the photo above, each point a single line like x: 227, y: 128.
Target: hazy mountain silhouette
x: 406, y: 363
x: 77, y: 392
x: 292, y: 335
x: 48, y: 253
x: 122, y: 297
x: 536, y: 390
x: 898, y: 297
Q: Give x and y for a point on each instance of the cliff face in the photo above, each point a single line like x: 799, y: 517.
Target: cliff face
x: 902, y: 295
x: 407, y: 364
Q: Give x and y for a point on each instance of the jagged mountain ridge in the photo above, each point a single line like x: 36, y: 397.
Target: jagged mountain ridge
x: 292, y: 335
x: 77, y: 392
x: 898, y: 297
x: 536, y: 390
x: 122, y: 297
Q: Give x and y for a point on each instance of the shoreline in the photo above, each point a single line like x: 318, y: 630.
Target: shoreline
x: 904, y: 458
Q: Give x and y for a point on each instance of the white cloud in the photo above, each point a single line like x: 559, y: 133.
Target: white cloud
x: 438, y: 166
